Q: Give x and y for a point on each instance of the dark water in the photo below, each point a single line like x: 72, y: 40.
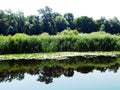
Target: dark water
x: 77, y: 73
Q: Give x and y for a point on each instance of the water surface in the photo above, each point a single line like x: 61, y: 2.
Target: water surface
x: 76, y: 73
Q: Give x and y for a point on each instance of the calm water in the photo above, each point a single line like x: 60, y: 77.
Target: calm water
x: 72, y: 74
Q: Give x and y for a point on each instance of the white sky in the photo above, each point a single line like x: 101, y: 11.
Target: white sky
x: 90, y: 8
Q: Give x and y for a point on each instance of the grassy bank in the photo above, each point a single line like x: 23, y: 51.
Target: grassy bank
x: 57, y: 55
x: 21, y: 43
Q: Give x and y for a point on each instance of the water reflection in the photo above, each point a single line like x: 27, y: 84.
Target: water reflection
x: 47, y: 70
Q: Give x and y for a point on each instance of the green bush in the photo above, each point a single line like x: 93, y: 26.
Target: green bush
x: 68, y: 32
x: 21, y: 43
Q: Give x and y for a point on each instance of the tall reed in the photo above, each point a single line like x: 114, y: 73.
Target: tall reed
x: 21, y: 43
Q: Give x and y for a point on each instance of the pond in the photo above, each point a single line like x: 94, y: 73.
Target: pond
x: 75, y: 73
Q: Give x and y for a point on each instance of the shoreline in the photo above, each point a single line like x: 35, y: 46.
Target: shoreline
x: 57, y: 55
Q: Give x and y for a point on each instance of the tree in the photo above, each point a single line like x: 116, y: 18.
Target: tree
x: 102, y: 27
x: 61, y: 23
x: 3, y: 20
x: 20, y: 21
x: 35, y: 24
x: 45, y: 11
x: 85, y: 24
x: 69, y: 17
x: 114, y: 26
x: 52, y: 22
x: 11, y: 30
x: 46, y: 18
x: 102, y: 24
x: 12, y: 23
x: 27, y: 28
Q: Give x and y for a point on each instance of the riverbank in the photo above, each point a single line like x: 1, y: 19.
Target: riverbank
x: 57, y: 55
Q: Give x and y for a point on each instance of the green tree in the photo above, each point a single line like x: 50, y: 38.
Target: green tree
x: 85, y: 24
x: 12, y: 23
x: 69, y: 17
x: 61, y: 23
x: 102, y: 27
x: 11, y: 30
x: 3, y: 20
x: 46, y: 18
x: 20, y: 21
x: 35, y: 24
x: 114, y: 26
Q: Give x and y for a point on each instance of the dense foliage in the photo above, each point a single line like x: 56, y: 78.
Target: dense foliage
x: 21, y: 43
x: 53, y: 22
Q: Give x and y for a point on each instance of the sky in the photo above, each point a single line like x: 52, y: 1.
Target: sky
x: 90, y: 8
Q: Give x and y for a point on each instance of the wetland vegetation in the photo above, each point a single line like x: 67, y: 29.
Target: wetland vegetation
x: 21, y: 43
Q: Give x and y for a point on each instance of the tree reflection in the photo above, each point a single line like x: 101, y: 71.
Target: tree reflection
x: 48, y: 73
x: 8, y: 77
x: 85, y: 69
x: 69, y: 72
x: 45, y: 79
x: 101, y: 69
x: 114, y: 68
x: 49, y: 69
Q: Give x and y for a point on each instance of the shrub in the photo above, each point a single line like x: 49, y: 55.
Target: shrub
x: 21, y: 43
x: 68, y: 32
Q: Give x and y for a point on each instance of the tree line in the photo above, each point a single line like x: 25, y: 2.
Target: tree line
x: 53, y: 22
